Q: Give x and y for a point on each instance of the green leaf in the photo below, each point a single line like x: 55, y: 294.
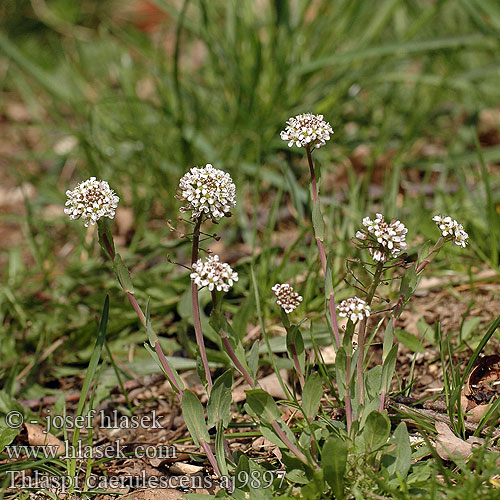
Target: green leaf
x: 376, y: 430
x: 409, y: 340
x: 294, y: 340
x: 408, y: 283
x: 388, y: 340
x: 105, y: 237
x: 253, y: 359
x: 311, y: 395
x: 219, y: 401
x: 469, y: 326
x: 334, y: 462
x: 261, y: 405
x: 340, y: 370
x: 318, y: 222
x: 388, y: 368
x: 220, y: 454
x: 402, y: 464
x: 123, y: 274
x: 192, y: 411
x: 7, y: 435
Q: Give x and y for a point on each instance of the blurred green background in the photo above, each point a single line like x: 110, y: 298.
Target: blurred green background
x: 136, y: 92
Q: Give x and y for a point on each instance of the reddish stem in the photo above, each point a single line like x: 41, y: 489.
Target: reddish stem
x: 382, y: 401
x: 297, y: 365
x: 236, y: 361
x: 196, y: 306
x: 166, y: 366
x: 137, y: 308
x: 348, y: 405
x: 210, y: 456
x: 321, y: 250
x: 287, y: 442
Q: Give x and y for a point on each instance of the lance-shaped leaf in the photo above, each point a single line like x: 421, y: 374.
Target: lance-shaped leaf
x: 105, y: 237
x: 253, y: 359
x: 219, y: 402
x: 334, y: 462
x: 295, y: 345
x: 192, y: 411
x: 261, y: 406
x: 388, y: 368
x: 318, y: 222
x: 123, y: 274
x: 311, y: 395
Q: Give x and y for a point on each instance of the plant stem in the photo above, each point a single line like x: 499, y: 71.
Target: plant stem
x: 142, y: 318
x: 348, y: 404
x: 236, y: 361
x: 287, y: 442
x: 196, y: 305
x: 210, y: 456
x: 428, y: 258
x: 321, y: 249
x: 295, y: 357
x: 362, y: 333
x: 297, y: 365
x: 229, y: 349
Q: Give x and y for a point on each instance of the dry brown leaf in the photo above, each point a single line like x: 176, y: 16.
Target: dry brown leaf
x: 37, y: 437
x: 270, y: 384
x: 479, y: 390
x: 449, y: 446
x: 182, y: 468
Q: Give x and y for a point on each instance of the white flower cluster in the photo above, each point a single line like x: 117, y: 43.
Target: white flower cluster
x: 307, y: 129
x: 354, y: 308
x: 214, y: 274
x: 286, y: 297
x: 451, y: 229
x: 207, y: 190
x: 91, y: 200
x: 390, y: 237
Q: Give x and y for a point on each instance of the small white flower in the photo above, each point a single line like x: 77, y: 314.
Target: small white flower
x: 451, y: 229
x: 286, y: 297
x: 91, y: 200
x: 213, y: 274
x: 207, y: 190
x: 384, y: 239
x: 307, y: 130
x: 354, y: 308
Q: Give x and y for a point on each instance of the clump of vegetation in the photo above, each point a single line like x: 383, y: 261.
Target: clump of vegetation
x: 290, y: 338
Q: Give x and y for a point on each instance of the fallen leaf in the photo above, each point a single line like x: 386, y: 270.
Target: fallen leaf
x: 37, y: 437
x: 449, y: 446
x: 270, y: 384
x: 182, y: 468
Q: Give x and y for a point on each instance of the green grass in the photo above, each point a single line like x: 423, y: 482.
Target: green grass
x: 215, y: 85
